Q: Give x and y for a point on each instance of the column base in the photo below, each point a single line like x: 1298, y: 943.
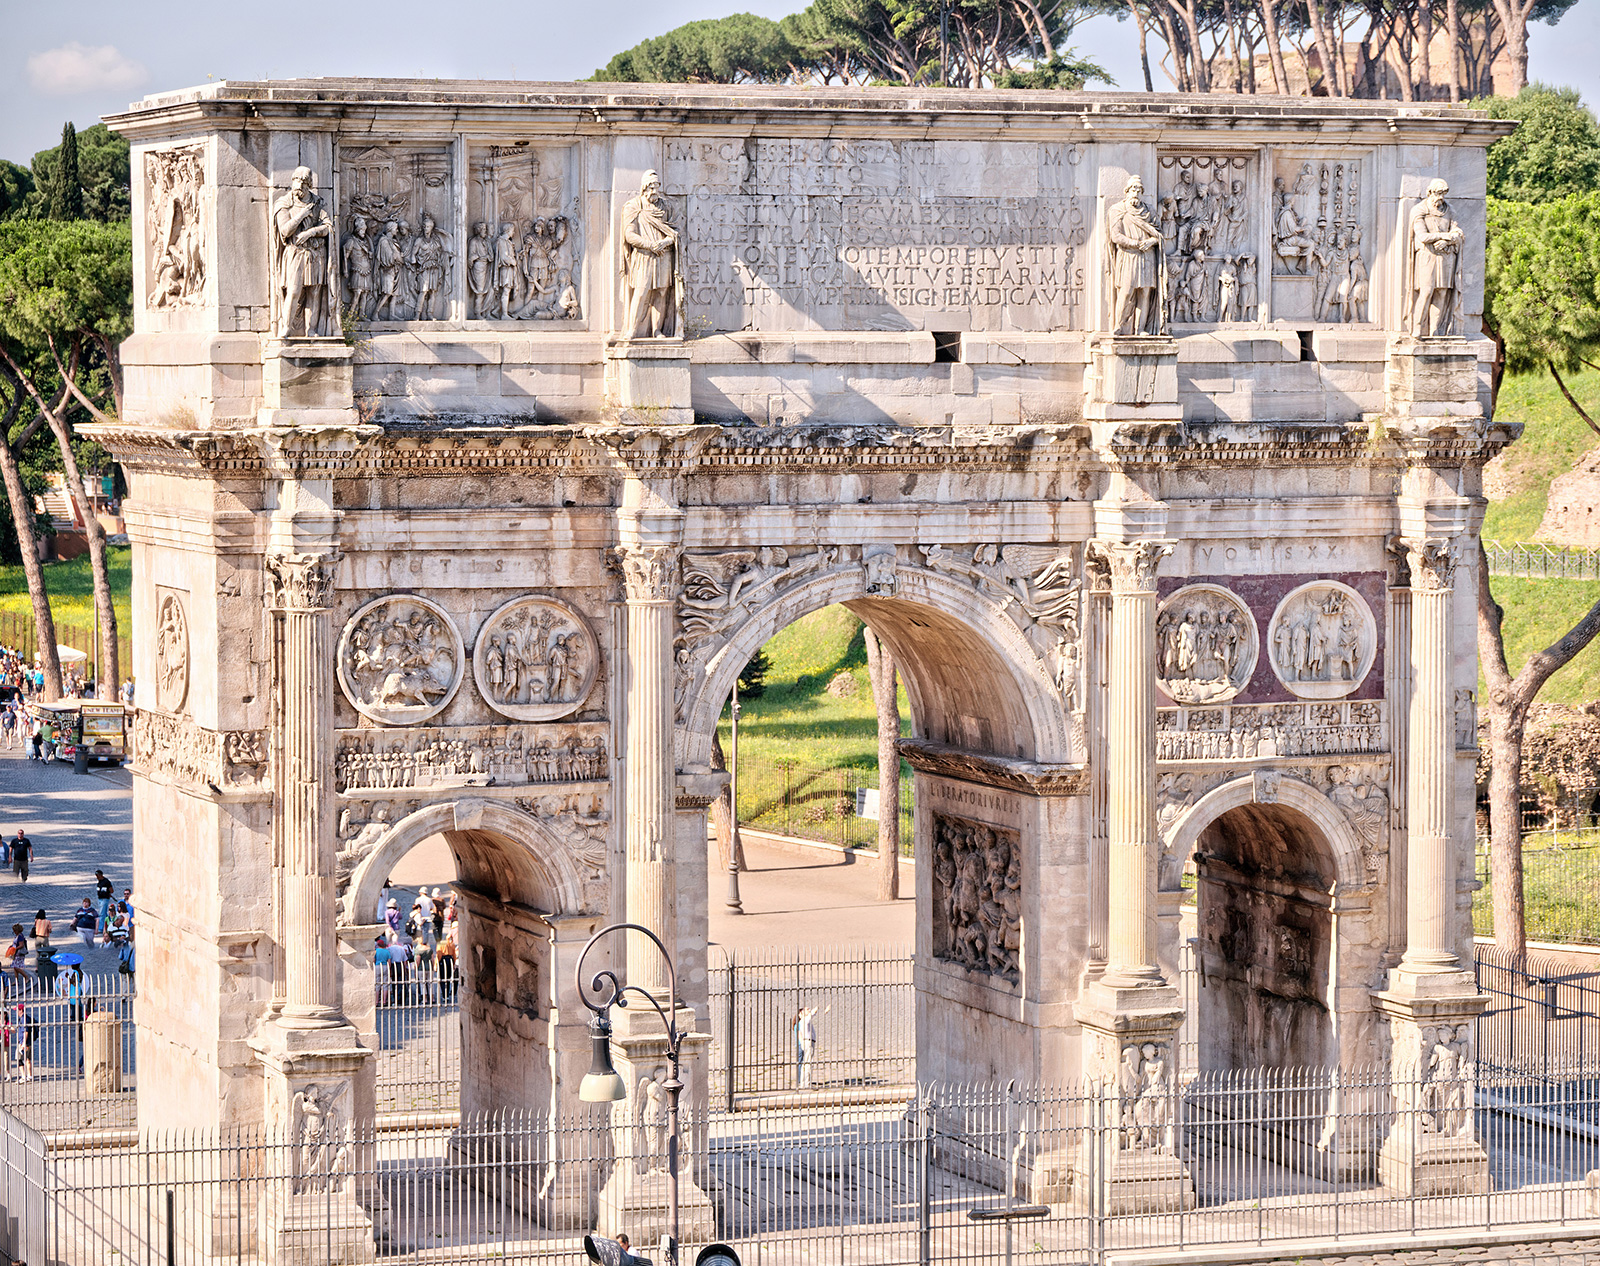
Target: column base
x: 312, y: 1229
x: 1133, y: 1180
x: 1419, y: 1163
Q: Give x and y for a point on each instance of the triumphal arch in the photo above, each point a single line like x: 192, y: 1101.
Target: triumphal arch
x: 478, y: 433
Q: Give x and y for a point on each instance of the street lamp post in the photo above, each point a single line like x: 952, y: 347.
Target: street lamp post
x: 602, y: 1084
x: 735, y: 903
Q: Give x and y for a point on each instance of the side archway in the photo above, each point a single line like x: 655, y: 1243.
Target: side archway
x: 499, y: 850
x: 973, y: 679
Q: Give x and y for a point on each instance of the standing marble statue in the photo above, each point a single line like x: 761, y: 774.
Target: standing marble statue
x: 358, y: 269
x: 650, y: 263
x: 1137, y: 277
x: 302, y: 232
x: 1435, y: 239
x: 430, y: 262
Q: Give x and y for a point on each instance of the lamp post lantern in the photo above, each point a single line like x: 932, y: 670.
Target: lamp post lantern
x: 602, y: 1084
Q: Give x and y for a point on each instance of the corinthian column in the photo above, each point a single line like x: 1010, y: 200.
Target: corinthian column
x: 1430, y: 874
x: 1134, y: 845
x: 648, y: 573
x: 300, y: 589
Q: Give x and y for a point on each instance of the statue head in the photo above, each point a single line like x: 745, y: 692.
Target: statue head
x: 650, y: 185
x: 302, y: 182
x: 480, y: 229
x: 1436, y: 192
x: 1134, y: 189
x: 359, y: 228
x: 427, y: 224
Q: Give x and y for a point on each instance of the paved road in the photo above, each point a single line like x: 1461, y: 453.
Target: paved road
x: 78, y: 822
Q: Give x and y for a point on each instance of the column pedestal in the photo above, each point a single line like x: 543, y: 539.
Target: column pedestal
x: 634, y: 1198
x: 647, y: 381
x: 1132, y: 387
x: 307, y: 382
x: 312, y: 1212
x: 1430, y: 383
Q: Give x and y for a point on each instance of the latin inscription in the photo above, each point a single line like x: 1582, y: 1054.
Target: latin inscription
x: 837, y: 234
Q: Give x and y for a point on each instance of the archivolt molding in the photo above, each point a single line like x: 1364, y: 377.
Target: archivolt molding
x: 1344, y: 802
x: 554, y: 863
x: 757, y: 592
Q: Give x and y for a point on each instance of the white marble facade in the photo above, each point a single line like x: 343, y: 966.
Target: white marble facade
x: 480, y: 562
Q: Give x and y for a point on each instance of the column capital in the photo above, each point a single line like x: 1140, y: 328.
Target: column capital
x: 1399, y: 555
x: 1132, y: 564
x: 1097, y: 567
x: 1433, y: 562
x: 649, y: 572
x: 300, y: 582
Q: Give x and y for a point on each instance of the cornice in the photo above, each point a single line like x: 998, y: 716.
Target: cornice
x: 1029, y: 777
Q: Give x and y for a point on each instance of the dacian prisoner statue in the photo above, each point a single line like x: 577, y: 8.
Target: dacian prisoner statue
x: 303, y: 232
x: 650, y: 248
x: 1138, y: 278
x: 1435, y: 241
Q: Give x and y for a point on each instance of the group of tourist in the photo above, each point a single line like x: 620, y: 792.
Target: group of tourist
x: 101, y: 920
x: 414, y: 958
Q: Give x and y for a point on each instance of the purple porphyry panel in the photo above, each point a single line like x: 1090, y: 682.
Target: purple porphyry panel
x: 1262, y: 595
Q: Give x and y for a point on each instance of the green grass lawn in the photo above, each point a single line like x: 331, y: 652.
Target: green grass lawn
x: 1561, y: 892
x: 1540, y: 611
x: 71, y: 589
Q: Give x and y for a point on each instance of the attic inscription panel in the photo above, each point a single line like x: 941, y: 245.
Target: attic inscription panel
x: 880, y: 235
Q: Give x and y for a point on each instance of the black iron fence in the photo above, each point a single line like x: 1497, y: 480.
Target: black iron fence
x: 1543, y: 1014
x: 813, y: 803
x: 862, y: 1019
x: 1560, y: 886
x: 944, y: 1174
x: 46, y: 1030
x: 1534, y: 560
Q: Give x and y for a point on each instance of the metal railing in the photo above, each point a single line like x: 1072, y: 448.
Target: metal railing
x: 1532, y: 560
x: 43, y: 1082
x: 23, y: 1179
x: 1543, y: 1015
x: 865, y: 1019
x: 1250, y: 1158
x: 1560, y: 885
x: 418, y: 1021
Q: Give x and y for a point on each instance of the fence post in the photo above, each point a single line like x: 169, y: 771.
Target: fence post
x: 728, y: 1035
x: 925, y: 1195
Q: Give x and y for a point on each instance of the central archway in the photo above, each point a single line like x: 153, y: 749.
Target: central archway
x: 1001, y: 819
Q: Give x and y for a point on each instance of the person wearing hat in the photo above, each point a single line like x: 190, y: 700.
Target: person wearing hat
x: 437, y: 902
x: 391, y: 917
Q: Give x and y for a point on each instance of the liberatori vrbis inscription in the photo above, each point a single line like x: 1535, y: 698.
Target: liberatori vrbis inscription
x: 535, y: 659
x: 400, y: 659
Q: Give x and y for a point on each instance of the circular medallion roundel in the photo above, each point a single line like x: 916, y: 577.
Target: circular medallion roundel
x: 1322, y: 640
x: 400, y: 659
x: 535, y: 659
x: 1206, y: 644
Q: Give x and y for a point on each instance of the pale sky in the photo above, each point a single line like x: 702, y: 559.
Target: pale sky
x: 86, y: 58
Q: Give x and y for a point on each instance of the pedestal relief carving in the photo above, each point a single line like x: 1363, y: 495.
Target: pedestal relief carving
x: 320, y: 1138
x: 535, y: 659
x: 1323, y: 640
x: 177, y: 748
x: 176, y: 224
x: 525, y: 240
x: 977, y: 896
x: 1317, y: 234
x: 400, y: 659
x: 397, y: 257
x: 1433, y: 257
x: 1206, y: 644
x: 1206, y: 233
x: 305, y: 256
x: 172, y: 651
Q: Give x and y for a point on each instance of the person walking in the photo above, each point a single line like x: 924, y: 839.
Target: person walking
x: 15, y: 958
x: 27, y: 1031
x: 21, y: 855
x: 85, y: 922
x: 8, y: 726
x: 103, y: 892
x: 42, y: 928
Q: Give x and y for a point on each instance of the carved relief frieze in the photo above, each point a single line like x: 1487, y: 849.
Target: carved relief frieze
x: 396, y: 257
x: 489, y: 755
x: 526, y: 236
x: 172, y: 650
x: 1318, y: 252
x: 1269, y: 730
x: 175, y: 747
x: 400, y: 659
x: 1205, y: 210
x: 536, y: 659
x: 977, y: 896
x: 1322, y: 640
x: 1144, y: 1095
x: 176, y: 223
x: 1206, y: 644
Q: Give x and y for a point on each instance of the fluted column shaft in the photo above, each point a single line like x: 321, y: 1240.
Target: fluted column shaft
x: 301, y: 589
x: 1430, y: 879
x: 651, y: 768
x: 1100, y: 649
x: 1134, y: 844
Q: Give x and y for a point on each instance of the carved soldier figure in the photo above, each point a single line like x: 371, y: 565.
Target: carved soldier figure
x: 1136, y: 275
x: 391, y: 260
x: 430, y: 257
x: 358, y: 267
x: 649, y: 263
x: 1227, y: 292
x: 1435, y: 243
x: 302, y: 230
x: 480, y: 258
x: 1353, y: 295
x: 505, y: 268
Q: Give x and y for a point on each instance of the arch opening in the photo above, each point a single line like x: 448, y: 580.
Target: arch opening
x: 1265, y: 878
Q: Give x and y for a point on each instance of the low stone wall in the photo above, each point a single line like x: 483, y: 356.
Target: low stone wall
x: 1553, y: 1246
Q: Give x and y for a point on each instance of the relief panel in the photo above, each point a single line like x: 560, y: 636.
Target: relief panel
x: 400, y: 659
x: 397, y: 214
x: 977, y: 896
x: 1319, y: 250
x: 535, y: 659
x: 1206, y: 212
x: 1323, y: 640
x: 1206, y: 644
x: 524, y: 235
x: 176, y: 224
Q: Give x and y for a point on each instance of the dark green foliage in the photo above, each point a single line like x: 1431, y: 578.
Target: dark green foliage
x: 103, y: 178
x: 16, y: 183
x: 66, y: 183
x: 1065, y: 70
x: 741, y: 48
x: 1542, y: 281
x: 753, y: 680
x: 1555, y: 152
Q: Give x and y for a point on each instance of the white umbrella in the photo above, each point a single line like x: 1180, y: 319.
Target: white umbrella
x: 71, y: 655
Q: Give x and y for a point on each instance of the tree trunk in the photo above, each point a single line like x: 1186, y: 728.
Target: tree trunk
x: 97, y: 559
x: 1452, y: 20
x: 44, y: 624
x: 885, y: 697
x: 1513, y: 15
x: 1144, y: 52
x: 1319, y: 33
x: 1505, y: 826
x: 1280, y: 72
x: 1425, y: 41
